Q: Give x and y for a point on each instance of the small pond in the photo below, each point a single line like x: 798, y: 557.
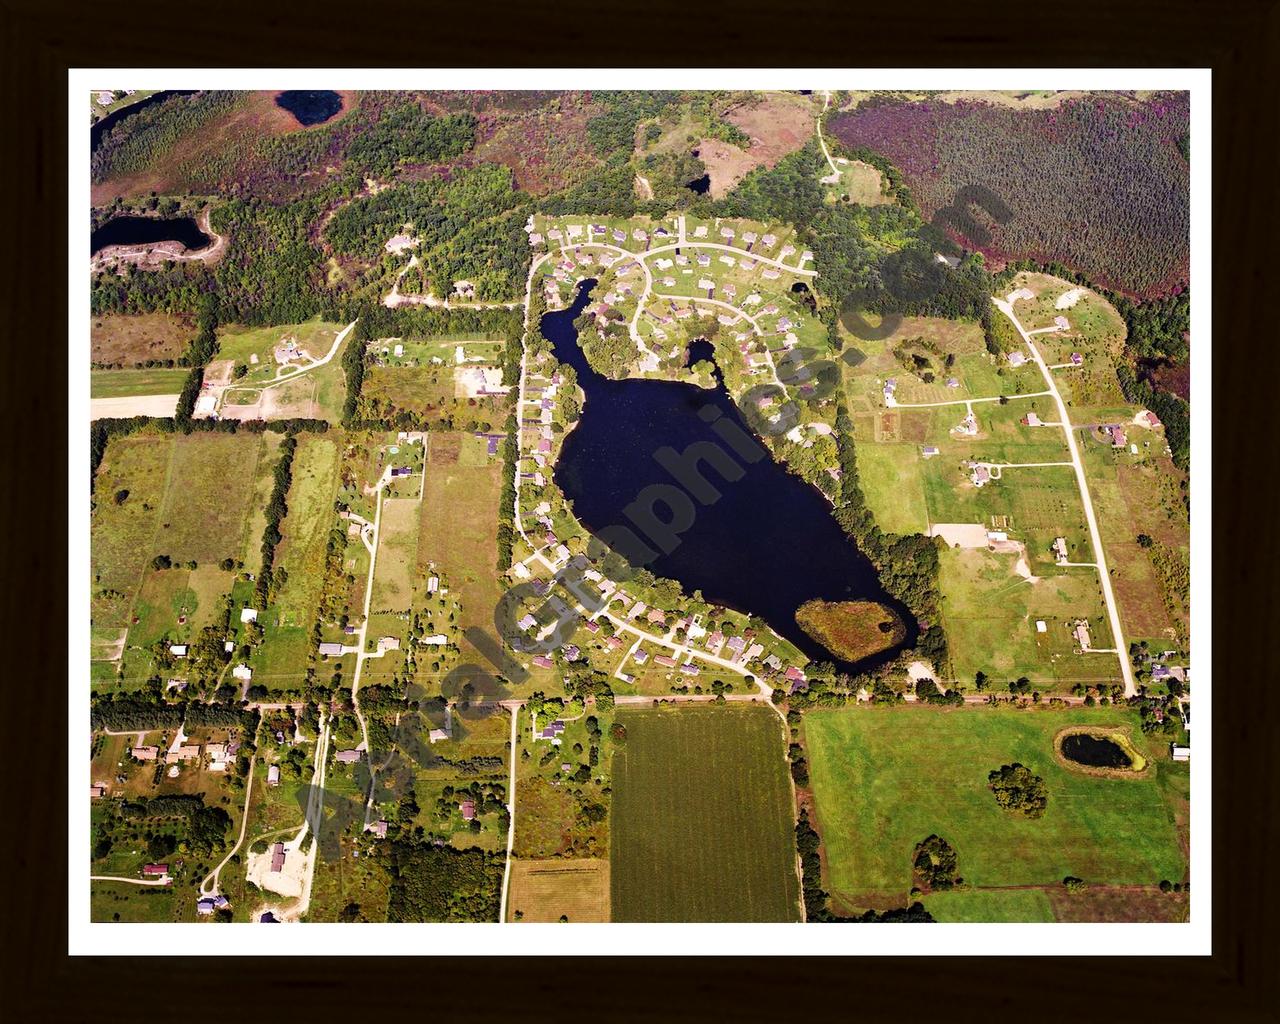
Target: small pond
x: 146, y: 231
x: 700, y: 185
x: 1095, y: 751
x: 310, y: 107
x: 700, y: 350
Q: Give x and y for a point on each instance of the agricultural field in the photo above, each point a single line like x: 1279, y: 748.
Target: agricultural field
x: 123, y: 383
x: 886, y: 778
x: 125, y: 341
x: 555, y: 890
x: 702, y: 818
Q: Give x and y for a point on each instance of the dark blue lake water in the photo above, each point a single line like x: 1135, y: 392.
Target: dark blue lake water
x: 145, y: 230
x: 310, y: 107
x: 765, y: 546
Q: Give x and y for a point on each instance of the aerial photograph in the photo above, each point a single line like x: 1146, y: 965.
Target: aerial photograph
x: 614, y: 506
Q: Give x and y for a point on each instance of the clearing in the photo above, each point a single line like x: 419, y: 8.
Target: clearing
x: 546, y: 890
x: 885, y: 778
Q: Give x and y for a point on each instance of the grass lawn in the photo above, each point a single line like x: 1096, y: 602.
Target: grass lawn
x: 305, y: 530
x: 394, y: 575
x: 990, y: 906
x: 546, y: 890
x: 119, y: 901
x: 885, y: 778
x: 702, y: 818
x: 890, y: 475
x: 122, y: 383
x: 240, y: 344
x: 459, y: 531
x: 990, y: 614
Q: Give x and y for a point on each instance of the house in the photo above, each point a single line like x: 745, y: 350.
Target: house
x: 433, y: 584
x: 242, y: 672
x: 657, y: 616
x: 1031, y: 420
x: 277, y: 857
x: 348, y: 756
x: 1017, y: 358
x: 468, y: 809
x: 690, y: 669
x: 437, y: 736
x: 186, y: 752
x: 665, y: 660
x: 435, y: 640
x: 1081, y: 633
x: 216, y: 751
x: 1149, y: 418
x: 145, y: 753
x: 769, y: 241
x: 980, y: 475
x: 591, y: 627
x: 398, y: 351
x: 273, y: 775
x: 1060, y: 550
x: 178, y: 650
x: 398, y: 471
x: 204, y: 906
x: 328, y: 649
x: 248, y: 614
x: 155, y: 870
x: 700, y: 231
x: 1077, y: 359
x: 640, y: 657
x: 1179, y: 752
x: 572, y: 652
x: 929, y: 451
x: 378, y: 828
x: 1117, y: 435
x: 388, y: 643
x: 528, y: 622
x: 542, y: 661
x: 773, y: 663
x: 97, y: 790
x: 1041, y: 626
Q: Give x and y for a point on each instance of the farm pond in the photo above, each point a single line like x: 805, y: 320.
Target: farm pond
x: 740, y: 528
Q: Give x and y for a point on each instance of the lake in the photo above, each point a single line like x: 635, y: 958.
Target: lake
x: 310, y: 108
x: 765, y: 546
x: 147, y: 230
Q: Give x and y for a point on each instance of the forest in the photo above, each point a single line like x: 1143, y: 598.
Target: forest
x: 1100, y: 184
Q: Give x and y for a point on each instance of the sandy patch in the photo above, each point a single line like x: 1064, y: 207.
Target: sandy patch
x: 132, y: 405
x: 1068, y: 299
x: 960, y: 535
x: 290, y: 880
x: 918, y: 670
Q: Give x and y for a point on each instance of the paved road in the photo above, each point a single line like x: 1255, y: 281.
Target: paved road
x: 511, y: 818
x: 1095, y: 536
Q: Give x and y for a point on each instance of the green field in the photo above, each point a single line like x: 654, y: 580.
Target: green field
x: 241, y: 345
x: 207, y: 502
x: 394, y: 575
x: 123, y: 383
x: 890, y: 475
x: 702, y: 818
x: 886, y: 778
x: 990, y: 906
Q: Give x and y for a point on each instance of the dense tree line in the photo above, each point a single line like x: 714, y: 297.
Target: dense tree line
x: 507, y: 496
x: 439, y: 883
x: 121, y: 713
x: 277, y: 509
